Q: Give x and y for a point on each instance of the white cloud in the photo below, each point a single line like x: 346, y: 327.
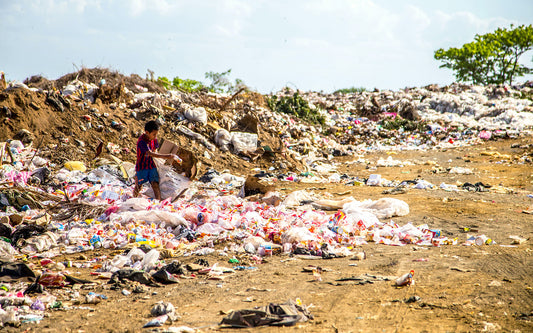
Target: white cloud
x: 231, y: 17
x: 161, y: 7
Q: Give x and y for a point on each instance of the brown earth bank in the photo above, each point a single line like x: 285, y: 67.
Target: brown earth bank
x: 74, y: 129
x: 460, y: 288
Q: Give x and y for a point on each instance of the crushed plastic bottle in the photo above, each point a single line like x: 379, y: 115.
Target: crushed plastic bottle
x: 406, y: 279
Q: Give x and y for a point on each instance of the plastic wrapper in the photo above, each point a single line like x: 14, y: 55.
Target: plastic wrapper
x: 39, y: 243
x: 7, y: 252
x: 298, y: 235
x: 382, y: 208
x: 244, y: 142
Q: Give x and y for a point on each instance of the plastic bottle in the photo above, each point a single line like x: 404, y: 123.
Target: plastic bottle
x: 406, y: 279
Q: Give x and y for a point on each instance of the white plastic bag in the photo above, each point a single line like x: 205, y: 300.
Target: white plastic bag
x: 150, y: 259
x: 170, y: 183
x: 297, y: 235
x: 374, y: 180
x: 387, y: 207
x: 297, y: 197
x: 222, y: 139
x: 243, y: 142
x: 210, y: 229
x: 196, y: 114
x: 382, y: 208
x: 152, y: 216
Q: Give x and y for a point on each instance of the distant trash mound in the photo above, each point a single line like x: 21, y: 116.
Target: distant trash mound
x: 95, y: 75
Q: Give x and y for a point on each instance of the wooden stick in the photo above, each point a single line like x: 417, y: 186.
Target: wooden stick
x: 36, y: 150
x: 231, y: 99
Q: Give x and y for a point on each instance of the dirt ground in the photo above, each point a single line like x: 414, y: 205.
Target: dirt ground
x: 461, y: 288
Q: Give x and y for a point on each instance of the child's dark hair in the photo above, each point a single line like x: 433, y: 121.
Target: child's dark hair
x: 151, y: 126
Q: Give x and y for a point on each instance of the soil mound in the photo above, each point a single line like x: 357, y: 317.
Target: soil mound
x: 71, y: 128
x: 95, y: 75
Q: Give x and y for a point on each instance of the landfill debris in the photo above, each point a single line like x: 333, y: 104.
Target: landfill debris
x: 70, y: 193
x: 164, y: 308
x: 156, y: 322
x: 285, y: 314
x: 406, y: 280
x: 362, y: 279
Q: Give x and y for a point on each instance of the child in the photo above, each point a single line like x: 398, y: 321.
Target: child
x: 145, y: 168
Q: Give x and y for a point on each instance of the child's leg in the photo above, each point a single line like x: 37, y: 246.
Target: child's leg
x: 157, y: 191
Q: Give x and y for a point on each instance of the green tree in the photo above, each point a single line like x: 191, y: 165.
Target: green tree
x: 220, y: 82
x: 490, y: 58
x: 350, y: 90
x: 187, y: 85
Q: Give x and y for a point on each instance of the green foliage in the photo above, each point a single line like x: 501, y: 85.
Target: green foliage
x: 350, y: 90
x: 524, y: 95
x: 407, y: 125
x: 491, y: 58
x: 163, y: 81
x: 187, y: 85
x: 220, y: 83
x: 297, y: 106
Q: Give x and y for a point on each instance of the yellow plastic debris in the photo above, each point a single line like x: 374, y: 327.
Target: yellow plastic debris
x: 75, y: 165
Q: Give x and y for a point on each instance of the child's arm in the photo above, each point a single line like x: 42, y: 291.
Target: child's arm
x: 165, y: 156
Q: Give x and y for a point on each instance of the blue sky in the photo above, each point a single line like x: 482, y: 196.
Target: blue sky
x: 308, y: 44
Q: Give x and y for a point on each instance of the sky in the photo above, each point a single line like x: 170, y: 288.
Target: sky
x: 319, y: 45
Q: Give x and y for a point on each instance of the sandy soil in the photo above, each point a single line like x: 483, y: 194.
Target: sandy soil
x: 461, y: 289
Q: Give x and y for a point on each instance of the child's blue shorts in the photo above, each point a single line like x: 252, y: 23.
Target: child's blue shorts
x: 147, y: 175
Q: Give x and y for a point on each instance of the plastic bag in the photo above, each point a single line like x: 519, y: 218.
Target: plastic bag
x: 7, y: 252
x: 374, y: 180
x: 387, y: 207
x: 170, y: 183
x: 295, y: 198
x: 103, y: 177
x: 152, y: 216
x: 39, y: 243
x: 77, y: 236
x: 210, y: 229
x: 222, y: 139
x: 196, y: 114
x: 297, y: 235
x: 134, y: 204
x: 243, y: 142
x: 136, y: 254
x: 150, y: 259
x: 382, y: 208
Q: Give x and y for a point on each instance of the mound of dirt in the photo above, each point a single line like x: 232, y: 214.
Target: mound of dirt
x: 69, y: 128
x: 112, y: 78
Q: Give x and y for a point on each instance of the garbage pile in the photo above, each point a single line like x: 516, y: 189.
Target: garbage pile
x: 244, y: 127
x: 54, y: 206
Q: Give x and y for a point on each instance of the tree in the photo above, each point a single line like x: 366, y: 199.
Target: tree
x: 220, y: 82
x: 490, y: 58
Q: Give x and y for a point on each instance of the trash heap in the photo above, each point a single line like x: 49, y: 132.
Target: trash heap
x: 56, y: 203
x: 93, y: 209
